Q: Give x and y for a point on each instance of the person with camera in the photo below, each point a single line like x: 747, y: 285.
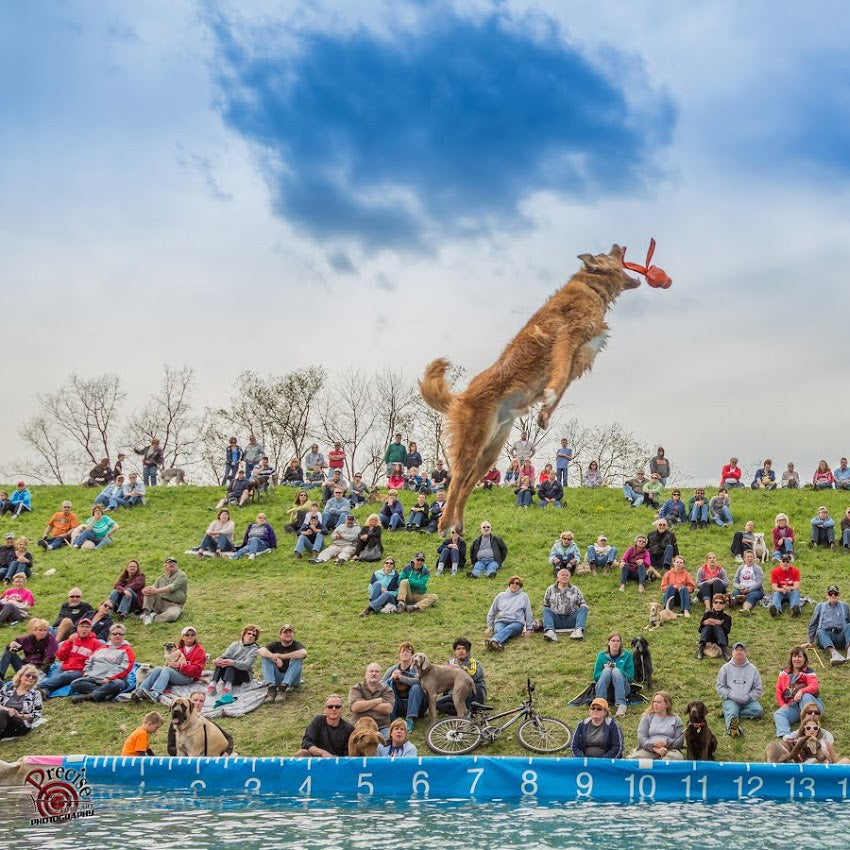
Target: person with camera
x: 184, y: 664
x: 615, y: 669
x: 796, y: 687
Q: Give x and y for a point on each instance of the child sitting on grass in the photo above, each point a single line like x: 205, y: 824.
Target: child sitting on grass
x: 137, y: 744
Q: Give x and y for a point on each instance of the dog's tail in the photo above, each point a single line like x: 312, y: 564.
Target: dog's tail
x: 434, y: 387
x: 669, y: 604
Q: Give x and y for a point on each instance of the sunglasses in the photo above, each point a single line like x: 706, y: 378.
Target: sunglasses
x: 596, y: 708
x: 811, y: 728
x: 74, y: 596
x: 390, y: 563
x: 485, y: 527
x: 30, y: 676
x: 334, y: 706
x: 832, y: 593
x: 118, y: 633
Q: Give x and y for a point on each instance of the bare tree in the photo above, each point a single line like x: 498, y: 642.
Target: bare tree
x: 618, y: 452
x: 43, y: 437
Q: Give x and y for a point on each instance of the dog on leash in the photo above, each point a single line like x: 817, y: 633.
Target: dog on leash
x: 760, y: 547
x: 365, y: 738
x: 194, y: 735
x: 436, y: 679
x: 643, y: 661
x: 700, y: 741
x: 557, y: 345
x: 175, y: 474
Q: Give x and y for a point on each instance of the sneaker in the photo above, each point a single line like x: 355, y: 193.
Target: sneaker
x: 282, y: 693
x: 550, y: 634
x: 389, y: 608
x: 774, y: 611
x: 297, y: 554
x: 739, y: 559
x: 439, y: 570
x: 252, y: 555
x: 493, y: 644
x: 795, y: 611
x: 622, y: 588
x: 271, y: 695
x: 401, y: 607
x: 735, y: 728
x: 367, y: 611
x: 43, y: 546
x: 78, y: 698
x: 577, y: 634
x: 700, y: 654
x: 313, y: 561
x: 409, y: 725
x: 835, y: 657
x: 727, y: 656
x: 142, y: 695
x: 454, y: 571
x: 210, y: 690
x: 686, y: 613
x: 621, y: 711
x: 147, y: 619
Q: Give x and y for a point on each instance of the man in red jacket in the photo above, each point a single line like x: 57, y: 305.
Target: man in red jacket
x: 73, y: 653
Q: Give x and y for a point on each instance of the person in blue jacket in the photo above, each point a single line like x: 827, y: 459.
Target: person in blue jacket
x: 598, y: 735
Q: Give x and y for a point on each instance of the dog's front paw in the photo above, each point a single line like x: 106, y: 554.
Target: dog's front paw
x: 543, y: 419
x: 549, y: 396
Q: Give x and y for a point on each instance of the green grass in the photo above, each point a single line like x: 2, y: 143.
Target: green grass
x: 323, y: 603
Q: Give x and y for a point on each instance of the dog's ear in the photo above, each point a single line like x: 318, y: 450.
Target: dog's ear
x: 591, y: 263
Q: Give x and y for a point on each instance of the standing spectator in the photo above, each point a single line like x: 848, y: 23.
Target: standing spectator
x: 711, y: 580
x: 785, y: 584
x: 19, y: 501
x: 152, y: 460
x: 70, y: 614
x: 673, y: 510
x: 232, y: 459
x: 563, y: 456
x: 412, y: 457
x: 783, y: 538
x: 451, y: 552
x: 336, y: 457
x: 550, y: 492
x: 509, y: 615
x: 748, y: 584
x: 396, y: 453
x: 327, y: 734
x: 601, y: 555
x: 281, y: 661
x: 714, y: 627
x: 791, y: 478
x: 830, y: 626
x: 765, y: 478
x: 392, y: 511
x: 101, y: 474
x: 564, y: 553
x: 38, y: 647
x: 163, y: 601
x: 126, y: 596
x: 730, y: 475
x: 678, y: 584
x: 564, y: 607
x: 661, y: 465
x: 823, y: 478
x: 841, y: 475
x: 823, y: 529
x: 314, y: 458
x: 252, y: 454
x: 523, y: 448
x: 739, y: 688
x: 719, y: 508
x: 488, y: 552
x: 118, y: 469
x: 413, y: 593
x: 106, y: 670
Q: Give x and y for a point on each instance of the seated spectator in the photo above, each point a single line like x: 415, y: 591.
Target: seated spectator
x: 509, y: 615
x: 748, y: 584
x: 218, y: 537
x: 282, y: 661
x: 412, y: 457
x: 417, y: 482
x: 719, y: 508
x: 410, y: 702
x: 678, y: 585
x: 418, y: 515
x: 600, y: 555
x: 765, y: 478
x: 488, y: 553
x: 661, y: 465
x: 4, y: 501
x: 21, y: 561
x: 742, y: 541
x: 16, y: 601
x: 101, y: 474
x: 462, y: 657
x: 126, y: 596
x: 714, y: 627
x: 358, y: 490
x: 451, y: 553
x: 635, y: 564
x: 811, y: 721
x: 70, y: 614
x: 845, y: 530
x: 791, y: 478
x: 652, y: 491
x: 785, y: 584
x: 564, y: 553
x: 633, y: 489
x: 730, y: 475
x: 107, y: 498
x: 315, y: 477
x: 19, y: 502
x: 614, y: 669
x: 392, y: 511
x: 396, y: 479
x: 698, y: 509
x: 662, y: 545
x: 336, y: 509
x: 238, y: 491
x: 398, y: 745
x: 739, y: 688
x: 593, y: 477
x: 311, y: 536
x: 550, y: 492
x: 98, y: 530
x: 544, y: 473
x: 823, y: 529
x: 524, y: 492
x: 830, y: 626
x: 20, y: 703
x: 598, y: 735
x: 660, y: 734
x: 841, y: 475
x: 437, y: 508
x: 796, y: 687
x: 526, y: 470
x: 711, y: 580
x: 163, y: 601
x: 184, y: 670
x: 783, y: 538
x: 131, y: 493
x: 492, y: 479
x: 297, y: 513
x: 372, y: 698
x: 106, y: 670
x: 343, y: 542
x: 383, y: 589
x: 440, y: 477
x: 326, y: 736
x: 101, y: 620
x: 823, y: 478
x: 413, y: 593
x: 72, y: 655
x: 38, y: 647
x: 293, y: 475
x: 369, y: 546
x: 564, y: 607
x: 512, y: 474
x: 259, y: 537
x: 333, y: 484
x: 59, y: 528
x: 234, y: 667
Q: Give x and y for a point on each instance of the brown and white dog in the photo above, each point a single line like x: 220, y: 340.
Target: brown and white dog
x: 558, y: 344
x: 194, y: 735
x: 760, y: 547
x: 436, y: 679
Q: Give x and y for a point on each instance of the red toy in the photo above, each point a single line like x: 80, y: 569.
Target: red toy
x: 654, y: 276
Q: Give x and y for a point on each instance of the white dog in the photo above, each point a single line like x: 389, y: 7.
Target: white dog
x: 760, y: 547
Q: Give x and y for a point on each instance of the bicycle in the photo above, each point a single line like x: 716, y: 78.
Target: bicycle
x: 454, y: 736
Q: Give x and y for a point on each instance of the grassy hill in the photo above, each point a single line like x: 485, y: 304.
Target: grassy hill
x: 323, y: 602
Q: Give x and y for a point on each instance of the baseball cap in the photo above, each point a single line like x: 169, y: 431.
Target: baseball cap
x: 603, y: 537
x: 419, y: 556
x: 84, y: 621
x: 21, y: 484
x: 9, y: 535
x: 286, y: 627
x: 602, y: 703
x: 786, y: 559
x: 171, y: 560
x: 833, y: 588
x: 739, y: 643
x: 187, y: 629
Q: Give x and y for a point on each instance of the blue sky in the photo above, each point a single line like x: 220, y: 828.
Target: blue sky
x: 423, y: 174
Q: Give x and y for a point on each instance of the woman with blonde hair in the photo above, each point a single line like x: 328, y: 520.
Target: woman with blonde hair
x: 20, y: 703
x: 398, y: 746
x: 660, y: 733
x: 368, y: 546
x: 38, y: 646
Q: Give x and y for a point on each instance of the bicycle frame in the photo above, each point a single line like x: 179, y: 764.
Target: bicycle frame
x: 483, y: 719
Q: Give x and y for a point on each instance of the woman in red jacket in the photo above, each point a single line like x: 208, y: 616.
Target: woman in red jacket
x: 796, y: 687
x: 183, y: 667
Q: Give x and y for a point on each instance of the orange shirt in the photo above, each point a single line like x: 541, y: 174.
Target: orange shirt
x: 137, y: 743
x: 61, y: 524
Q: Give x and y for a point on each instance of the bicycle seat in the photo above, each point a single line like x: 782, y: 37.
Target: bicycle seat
x: 477, y: 706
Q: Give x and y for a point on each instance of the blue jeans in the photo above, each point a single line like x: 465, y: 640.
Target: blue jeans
x: 715, y: 634
x: 577, y: 620
x: 10, y: 659
x: 59, y: 680
x: 505, y: 630
x: 161, y: 678
x: 393, y: 522
x: 523, y: 498
x: 823, y: 535
x: 830, y: 639
x: 215, y: 544
x: 790, y: 714
x: 99, y: 692
x: 612, y: 676
x: 230, y: 470
x: 666, y: 558
x: 378, y: 597
x: 561, y: 475
x: 627, y: 575
x: 677, y: 593
x: 149, y: 475
x: 88, y: 534
x: 751, y: 710
x: 845, y: 537
x: 724, y: 517
x: 636, y: 499
x: 543, y: 503
x: 124, y: 604
x: 334, y: 518
x: 17, y: 567
x: 596, y: 560
x: 253, y: 547
x: 792, y: 597
x: 410, y: 705
x: 786, y: 547
x: 449, y: 558
x: 489, y: 565
x: 304, y: 543
x: 55, y: 542
x: 753, y: 596
x: 699, y: 514
x: 273, y: 675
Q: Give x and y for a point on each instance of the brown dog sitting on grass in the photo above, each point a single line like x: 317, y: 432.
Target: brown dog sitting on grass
x: 365, y: 738
x: 558, y: 344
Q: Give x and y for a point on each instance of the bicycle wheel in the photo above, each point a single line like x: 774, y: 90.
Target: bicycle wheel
x: 453, y: 736
x: 544, y: 735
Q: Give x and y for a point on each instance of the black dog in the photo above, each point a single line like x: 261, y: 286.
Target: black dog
x: 700, y: 741
x: 643, y: 662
